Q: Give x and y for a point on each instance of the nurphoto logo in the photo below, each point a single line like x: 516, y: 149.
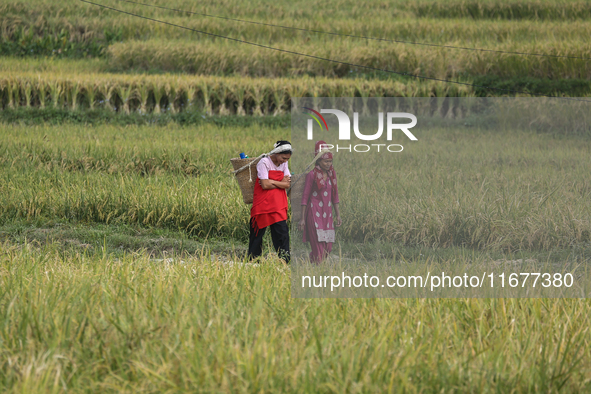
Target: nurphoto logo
x: 344, y: 130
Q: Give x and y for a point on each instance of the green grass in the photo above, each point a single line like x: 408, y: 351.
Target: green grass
x: 116, y: 230
x: 116, y: 240
x: 84, y: 323
x: 227, y: 58
x: 88, y: 304
x: 492, y: 190
x: 182, y: 173
x: 61, y: 116
x: 483, y: 190
x: 74, y: 30
x: 191, y: 96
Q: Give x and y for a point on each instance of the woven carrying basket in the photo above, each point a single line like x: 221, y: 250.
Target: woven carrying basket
x: 244, y: 178
x: 298, y: 182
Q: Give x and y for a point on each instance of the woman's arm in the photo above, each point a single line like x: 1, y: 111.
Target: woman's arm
x: 302, y: 223
x: 267, y: 184
x: 335, y: 204
x: 306, y: 198
x: 335, y: 195
x: 309, y: 181
x: 338, y: 220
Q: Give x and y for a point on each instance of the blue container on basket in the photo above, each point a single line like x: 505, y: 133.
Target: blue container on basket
x: 243, y: 156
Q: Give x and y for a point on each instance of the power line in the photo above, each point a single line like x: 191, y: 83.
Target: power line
x: 327, y: 59
x: 359, y: 37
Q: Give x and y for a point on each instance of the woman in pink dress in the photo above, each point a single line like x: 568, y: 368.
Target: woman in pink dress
x: 319, y: 198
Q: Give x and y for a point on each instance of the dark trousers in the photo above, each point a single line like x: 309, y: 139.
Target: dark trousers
x: 279, y: 235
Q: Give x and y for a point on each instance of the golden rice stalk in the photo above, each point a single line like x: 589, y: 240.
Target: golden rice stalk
x: 41, y: 88
x: 105, y: 89
x: 191, y: 92
x: 257, y: 92
x: 205, y: 92
x: 72, y: 91
x: 220, y: 92
x: 13, y: 93
x: 239, y: 95
x: 91, y: 90
x: 279, y: 97
x: 28, y: 92
x: 143, y: 95
x: 158, y: 92
x: 126, y: 93
x: 56, y: 91
x: 181, y: 98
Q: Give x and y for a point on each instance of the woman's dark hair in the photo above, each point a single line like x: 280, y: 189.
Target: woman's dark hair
x: 283, y: 142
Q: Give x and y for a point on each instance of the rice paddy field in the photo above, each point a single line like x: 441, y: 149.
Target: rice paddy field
x: 123, y: 232
x: 71, y: 54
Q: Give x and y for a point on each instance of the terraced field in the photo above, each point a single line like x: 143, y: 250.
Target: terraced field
x: 123, y: 232
x: 399, y: 39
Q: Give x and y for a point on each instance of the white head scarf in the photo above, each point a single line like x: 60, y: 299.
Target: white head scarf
x: 281, y: 148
